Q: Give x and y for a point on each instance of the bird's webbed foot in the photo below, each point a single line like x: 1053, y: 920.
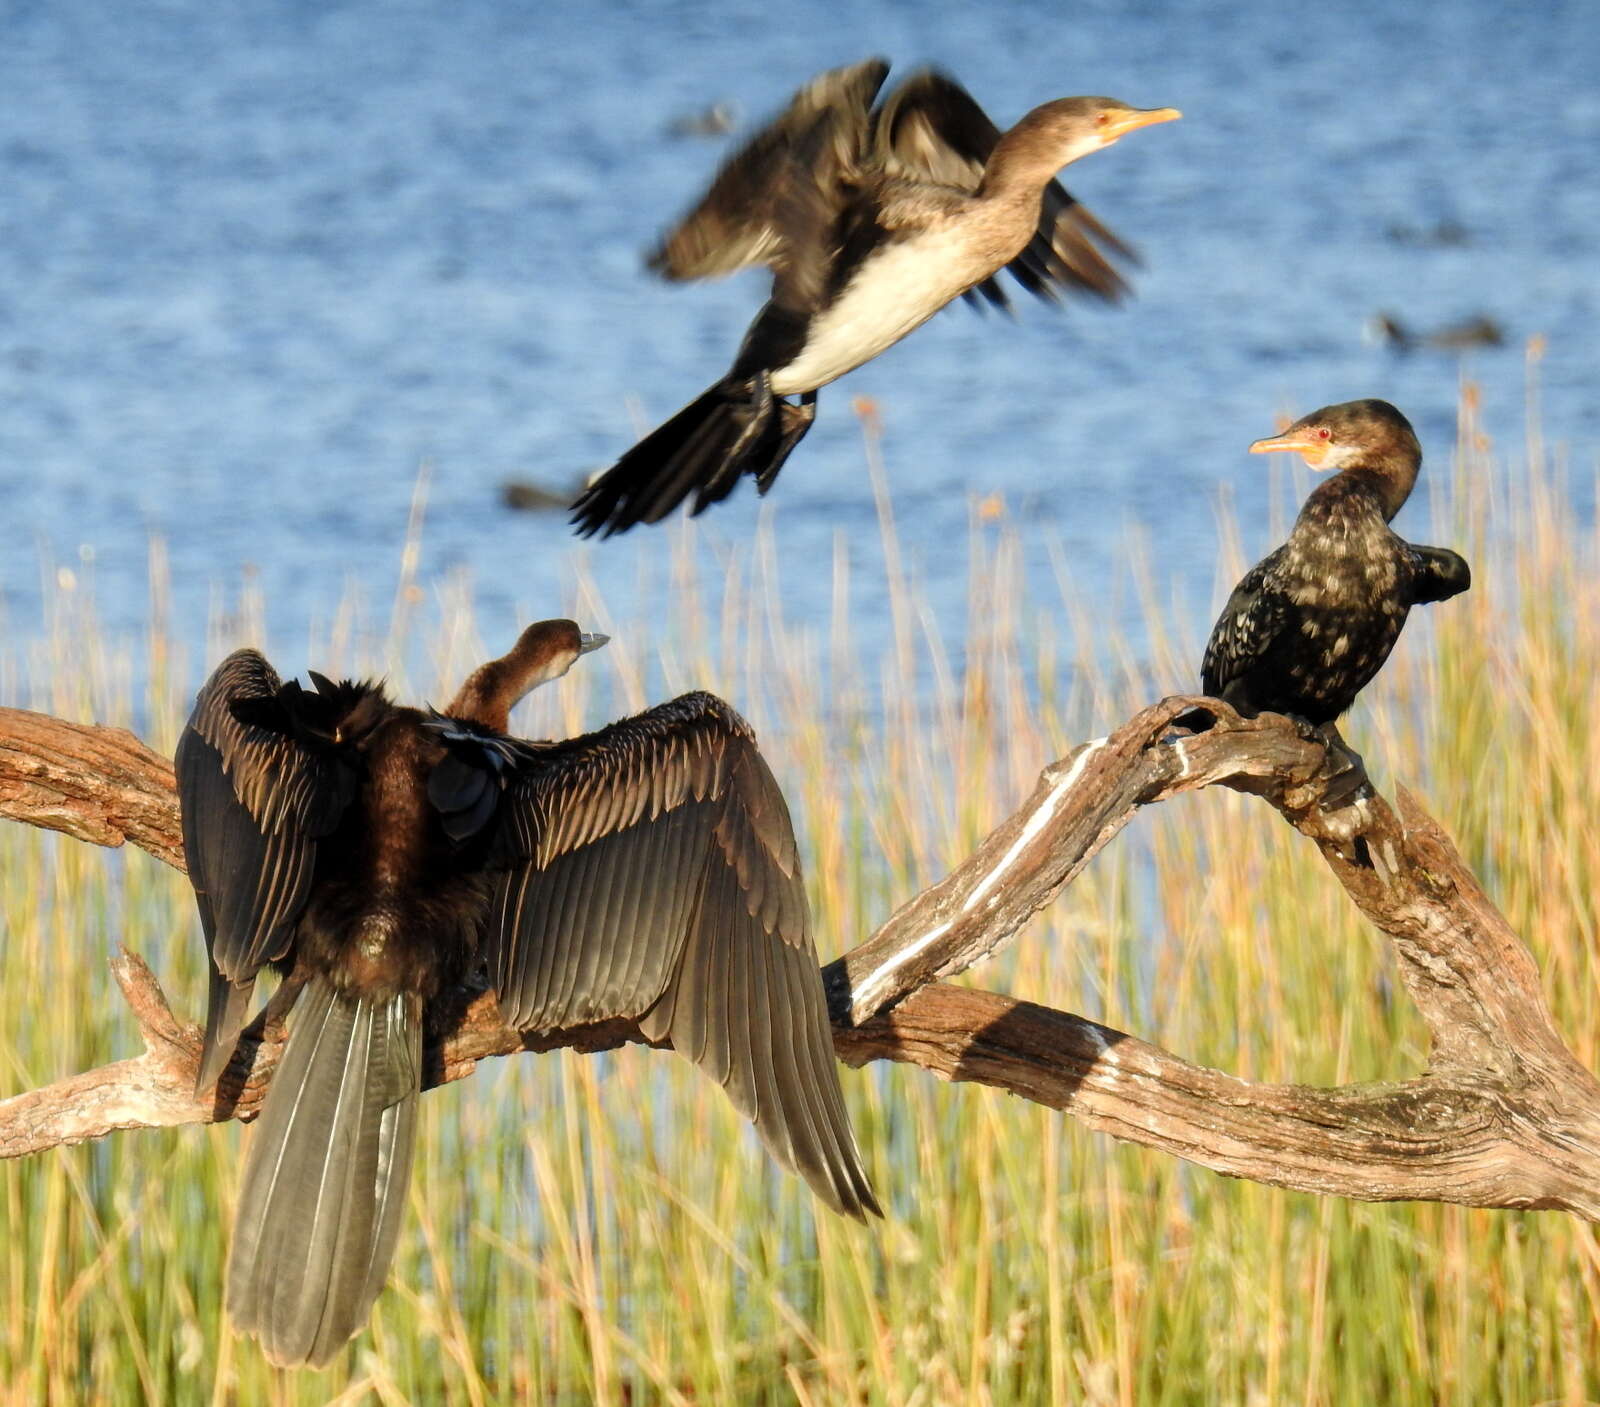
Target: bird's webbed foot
x: 733, y: 444
x: 793, y: 422
x: 1343, y: 773
x: 755, y: 419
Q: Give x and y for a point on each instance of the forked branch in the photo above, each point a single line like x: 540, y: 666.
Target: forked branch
x: 1504, y: 1116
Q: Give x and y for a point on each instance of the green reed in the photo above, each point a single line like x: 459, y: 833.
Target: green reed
x: 605, y: 1228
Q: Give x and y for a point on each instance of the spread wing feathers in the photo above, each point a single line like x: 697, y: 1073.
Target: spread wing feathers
x: 931, y: 129
x: 736, y: 223
x: 326, y: 1176
x: 1437, y: 574
x: 254, y: 799
x: 652, y: 873
x: 1254, y: 617
x: 806, y: 210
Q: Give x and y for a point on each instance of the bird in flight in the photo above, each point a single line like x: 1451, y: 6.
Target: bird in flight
x: 871, y: 219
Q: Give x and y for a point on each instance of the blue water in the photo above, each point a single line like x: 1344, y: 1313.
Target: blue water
x: 260, y: 264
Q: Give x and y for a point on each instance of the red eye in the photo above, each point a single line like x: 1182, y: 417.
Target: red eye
x: 1324, y: 433
x: 1101, y: 119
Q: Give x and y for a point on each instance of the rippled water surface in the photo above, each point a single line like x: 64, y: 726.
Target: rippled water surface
x: 259, y: 266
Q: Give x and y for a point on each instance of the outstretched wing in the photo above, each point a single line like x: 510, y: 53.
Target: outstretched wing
x: 930, y: 129
x: 740, y: 219
x: 254, y: 801
x: 650, y: 871
x: 1242, y: 636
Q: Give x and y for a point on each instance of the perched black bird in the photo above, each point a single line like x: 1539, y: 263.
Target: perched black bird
x: 1311, y: 624
x: 378, y: 852
x: 871, y: 220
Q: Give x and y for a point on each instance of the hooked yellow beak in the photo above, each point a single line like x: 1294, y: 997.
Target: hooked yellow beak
x: 1299, y: 442
x: 1126, y: 122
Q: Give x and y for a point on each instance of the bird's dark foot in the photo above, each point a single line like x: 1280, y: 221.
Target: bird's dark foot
x: 1343, y: 773
x: 756, y: 416
x: 793, y: 422
x: 1311, y: 732
x: 754, y: 419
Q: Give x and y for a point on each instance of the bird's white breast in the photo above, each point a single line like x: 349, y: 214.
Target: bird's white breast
x: 894, y: 291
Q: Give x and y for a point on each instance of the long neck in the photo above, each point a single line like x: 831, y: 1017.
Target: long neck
x: 1389, y: 479
x: 487, y: 697
x: 1383, y: 484
x: 1021, y: 165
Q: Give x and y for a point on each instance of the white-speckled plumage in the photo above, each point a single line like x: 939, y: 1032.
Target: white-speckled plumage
x: 1310, y: 624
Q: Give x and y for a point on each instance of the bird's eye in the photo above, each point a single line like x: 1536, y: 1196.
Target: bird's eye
x: 1101, y: 118
x: 1324, y: 433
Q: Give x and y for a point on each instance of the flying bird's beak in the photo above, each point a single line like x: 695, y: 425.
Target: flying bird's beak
x: 1294, y: 442
x: 588, y: 642
x: 1126, y: 122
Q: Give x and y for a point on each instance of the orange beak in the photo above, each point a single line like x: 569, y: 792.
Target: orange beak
x: 1295, y: 442
x: 1126, y: 122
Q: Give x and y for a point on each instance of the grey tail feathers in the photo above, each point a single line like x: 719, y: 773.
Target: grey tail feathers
x: 326, y: 1174
x: 735, y: 428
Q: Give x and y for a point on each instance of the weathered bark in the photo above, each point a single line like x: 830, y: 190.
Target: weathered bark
x: 99, y: 784
x: 1504, y: 1116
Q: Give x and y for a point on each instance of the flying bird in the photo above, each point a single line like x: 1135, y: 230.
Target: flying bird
x: 379, y: 853
x: 871, y: 219
x: 1310, y: 625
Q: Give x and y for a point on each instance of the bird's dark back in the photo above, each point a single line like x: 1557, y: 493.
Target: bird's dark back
x: 396, y: 906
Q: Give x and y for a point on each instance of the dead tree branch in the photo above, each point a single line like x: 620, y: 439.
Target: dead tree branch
x: 1504, y: 1116
x: 99, y: 784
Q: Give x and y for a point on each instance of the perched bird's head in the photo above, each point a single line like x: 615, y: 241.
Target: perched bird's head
x: 1068, y: 128
x: 1370, y: 433
x: 544, y: 651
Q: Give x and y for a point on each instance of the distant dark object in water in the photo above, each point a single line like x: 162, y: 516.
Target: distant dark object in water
x: 871, y: 220
x: 1309, y: 625
x: 714, y: 120
x: 1461, y: 336
x: 525, y: 496
x: 379, y: 854
x: 1443, y: 234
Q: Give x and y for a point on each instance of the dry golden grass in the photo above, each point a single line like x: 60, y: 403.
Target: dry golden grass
x: 604, y: 1229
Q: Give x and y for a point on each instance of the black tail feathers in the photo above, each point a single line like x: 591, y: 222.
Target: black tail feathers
x: 326, y: 1175
x: 737, y: 427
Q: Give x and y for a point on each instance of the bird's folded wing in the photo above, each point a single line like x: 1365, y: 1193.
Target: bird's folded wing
x: 931, y: 129
x: 1245, y: 630
x: 650, y: 871
x: 1437, y: 574
x: 737, y: 223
